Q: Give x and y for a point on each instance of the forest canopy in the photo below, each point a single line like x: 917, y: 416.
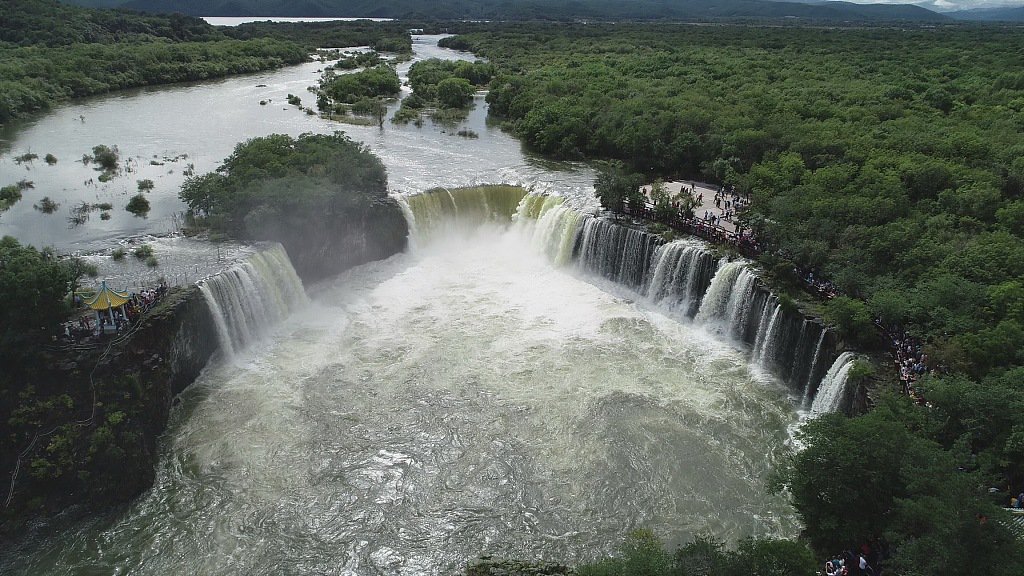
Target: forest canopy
x: 887, y: 160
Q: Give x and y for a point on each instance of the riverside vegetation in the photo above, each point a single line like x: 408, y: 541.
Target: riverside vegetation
x: 50, y: 51
x: 446, y: 86
x: 888, y: 160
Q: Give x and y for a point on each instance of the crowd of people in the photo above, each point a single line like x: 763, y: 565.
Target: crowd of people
x: 910, y: 360
x: 89, y: 325
x: 854, y: 562
x: 709, y: 226
x: 818, y: 285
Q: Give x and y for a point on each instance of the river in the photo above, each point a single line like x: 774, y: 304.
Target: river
x: 467, y: 397
x: 161, y: 131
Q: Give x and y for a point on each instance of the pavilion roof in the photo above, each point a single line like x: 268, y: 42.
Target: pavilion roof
x: 106, y: 298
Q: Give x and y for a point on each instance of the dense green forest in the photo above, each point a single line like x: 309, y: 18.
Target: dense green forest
x: 381, y: 36
x: 50, y: 52
x: 887, y: 160
x: 567, y: 10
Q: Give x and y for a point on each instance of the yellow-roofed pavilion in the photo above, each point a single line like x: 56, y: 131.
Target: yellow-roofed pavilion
x: 107, y: 299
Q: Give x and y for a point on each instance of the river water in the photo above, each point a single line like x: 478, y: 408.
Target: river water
x: 468, y: 397
x: 161, y: 131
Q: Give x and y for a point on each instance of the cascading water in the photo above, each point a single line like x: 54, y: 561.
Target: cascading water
x: 440, y: 405
x: 682, y: 273
x: 683, y: 276
x: 445, y: 210
x: 251, y: 296
x: 616, y: 252
x: 768, y: 333
x: 813, y: 369
x: 468, y: 399
x: 724, y: 300
x: 833, y: 386
x: 556, y: 233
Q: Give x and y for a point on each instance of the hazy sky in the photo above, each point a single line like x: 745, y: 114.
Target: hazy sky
x: 948, y: 4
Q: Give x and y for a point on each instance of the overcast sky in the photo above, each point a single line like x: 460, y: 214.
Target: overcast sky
x: 948, y: 4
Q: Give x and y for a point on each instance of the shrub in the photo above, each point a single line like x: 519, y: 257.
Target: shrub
x: 46, y: 205
x: 138, y: 205
x: 454, y: 92
x: 853, y: 320
x: 106, y: 156
x: 9, y: 195
x: 143, y: 252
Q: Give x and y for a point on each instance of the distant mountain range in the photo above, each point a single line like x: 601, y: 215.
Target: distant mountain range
x: 563, y: 9
x: 1015, y: 14
x: 532, y: 9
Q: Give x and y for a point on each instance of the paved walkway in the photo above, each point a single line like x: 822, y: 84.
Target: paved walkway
x: 705, y: 193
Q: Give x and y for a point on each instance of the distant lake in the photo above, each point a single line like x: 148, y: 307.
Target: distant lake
x: 236, y: 20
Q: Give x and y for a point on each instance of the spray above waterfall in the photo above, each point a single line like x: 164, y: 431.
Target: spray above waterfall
x: 685, y: 278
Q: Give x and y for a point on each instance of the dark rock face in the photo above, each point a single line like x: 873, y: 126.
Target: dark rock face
x: 103, y: 451
x: 326, y: 245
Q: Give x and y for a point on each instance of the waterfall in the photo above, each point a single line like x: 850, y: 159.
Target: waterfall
x: 682, y: 273
x: 616, y: 252
x: 733, y: 300
x: 684, y: 277
x: 251, y: 296
x: 452, y: 209
x: 768, y: 334
x: 833, y: 386
x: 745, y: 304
x: 534, y: 206
x: 556, y: 231
x: 715, y: 302
x: 814, y: 368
